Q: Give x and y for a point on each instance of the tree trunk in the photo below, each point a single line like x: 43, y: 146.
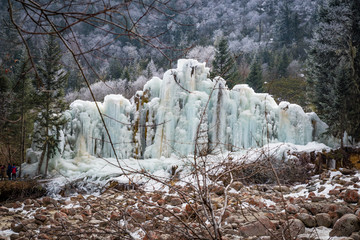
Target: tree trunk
x: 42, y: 157
x: 47, y: 161
x: 22, y: 140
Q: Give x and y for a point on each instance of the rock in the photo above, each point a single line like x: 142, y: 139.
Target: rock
x: 314, y: 208
x: 156, y: 197
x: 219, y: 190
x: 322, y: 188
x: 43, y: 236
x: 345, y: 226
x: 41, y: 218
x: 323, y: 219
x: 318, y: 198
x: 175, y: 201
x: 47, y: 200
x: 237, y: 185
x: 294, y: 227
x: 161, y: 202
x: 79, y: 217
x: 28, y: 201
x: 340, y: 210
x: 258, y: 228
x: 138, y: 216
x: 307, y: 219
x: 16, y: 227
x: 4, y: 209
x: 311, y: 188
x: 351, y: 196
x: 14, y: 236
x: 283, y: 189
x: 292, y: 209
x: 60, y: 215
x: 354, y: 179
x: 355, y: 236
x: 347, y: 171
x: 334, y: 192
x: 115, y: 216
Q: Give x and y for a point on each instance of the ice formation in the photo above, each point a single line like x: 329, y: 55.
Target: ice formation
x: 171, y: 113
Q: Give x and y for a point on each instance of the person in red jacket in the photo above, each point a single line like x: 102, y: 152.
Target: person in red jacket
x: 13, y: 172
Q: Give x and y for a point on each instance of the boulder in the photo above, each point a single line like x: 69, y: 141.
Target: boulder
x: 345, y: 226
x: 323, y: 219
x: 294, y: 227
x: 292, y: 209
x: 307, y: 219
x: 262, y: 227
x: 351, y: 196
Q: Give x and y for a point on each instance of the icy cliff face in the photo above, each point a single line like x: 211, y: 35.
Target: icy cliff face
x: 170, y: 113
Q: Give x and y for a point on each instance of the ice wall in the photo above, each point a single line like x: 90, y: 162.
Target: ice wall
x: 170, y: 113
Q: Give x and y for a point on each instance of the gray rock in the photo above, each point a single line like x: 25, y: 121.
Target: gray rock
x: 323, y: 219
x: 258, y: 228
x: 355, y: 236
x: 345, y: 226
x: 293, y: 227
x: 307, y: 219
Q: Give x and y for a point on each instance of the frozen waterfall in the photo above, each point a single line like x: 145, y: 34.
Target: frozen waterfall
x: 167, y: 116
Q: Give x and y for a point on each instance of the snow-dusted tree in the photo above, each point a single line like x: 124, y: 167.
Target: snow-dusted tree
x: 224, y: 64
x: 334, y: 67
x: 50, y: 101
x: 284, y: 27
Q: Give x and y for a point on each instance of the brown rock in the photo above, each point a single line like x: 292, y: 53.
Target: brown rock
x: 176, y: 210
x: 138, y: 216
x: 43, y: 236
x: 115, y: 216
x: 156, y: 197
x: 322, y: 188
x: 237, y: 185
x: 175, y: 201
x: 47, y: 200
x: 60, y: 215
x: 292, y: 209
x: 79, y: 217
x: 258, y: 228
x: 219, y: 190
x: 323, y: 219
x: 345, y: 226
x: 347, y: 171
x: 307, y: 219
x: 294, y: 227
x: 41, y: 218
x: 318, y: 198
x: 160, y: 202
x: 16, y: 227
x: 355, y: 236
x: 4, y: 209
x: 334, y: 192
x: 351, y: 196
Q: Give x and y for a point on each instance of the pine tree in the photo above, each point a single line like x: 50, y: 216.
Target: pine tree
x: 334, y: 69
x: 51, y: 102
x: 23, y: 103
x: 283, y: 64
x: 254, y: 80
x: 284, y: 23
x: 115, y: 69
x: 224, y: 64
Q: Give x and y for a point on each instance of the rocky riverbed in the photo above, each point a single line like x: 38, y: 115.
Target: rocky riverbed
x: 326, y: 206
